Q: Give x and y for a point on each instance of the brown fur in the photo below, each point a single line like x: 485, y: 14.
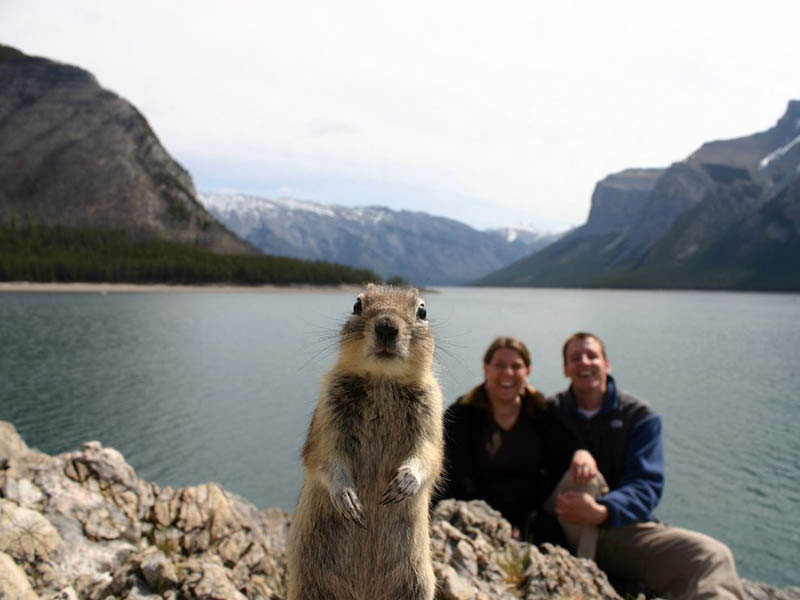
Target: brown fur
x: 372, y: 458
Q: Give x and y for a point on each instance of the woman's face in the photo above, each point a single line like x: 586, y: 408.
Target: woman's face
x: 505, y: 374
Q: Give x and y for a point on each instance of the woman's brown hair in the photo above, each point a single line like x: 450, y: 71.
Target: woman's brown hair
x: 510, y: 342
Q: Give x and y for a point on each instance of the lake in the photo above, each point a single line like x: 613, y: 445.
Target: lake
x: 197, y: 387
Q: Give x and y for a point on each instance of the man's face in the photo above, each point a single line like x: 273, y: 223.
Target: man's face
x: 586, y: 366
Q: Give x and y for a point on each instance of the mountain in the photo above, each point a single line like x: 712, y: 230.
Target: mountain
x: 726, y: 217
x: 417, y: 246
x: 88, y: 193
x: 617, y: 199
x: 78, y: 156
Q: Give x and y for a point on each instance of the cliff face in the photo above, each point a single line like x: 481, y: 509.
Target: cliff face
x: 618, y: 198
x: 771, y: 155
x: 733, y: 239
x: 77, y: 155
x: 710, y: 221
x: 83, y: 525
x: 679, y: 188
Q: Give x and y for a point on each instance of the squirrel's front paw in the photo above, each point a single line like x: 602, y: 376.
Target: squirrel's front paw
x: 347, y: 503
x: 406, y: 483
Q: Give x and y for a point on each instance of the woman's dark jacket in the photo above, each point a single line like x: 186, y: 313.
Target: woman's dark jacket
x: 507, y: 469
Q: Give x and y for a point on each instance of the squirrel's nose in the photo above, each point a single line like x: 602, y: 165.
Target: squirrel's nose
x: 385, y: 330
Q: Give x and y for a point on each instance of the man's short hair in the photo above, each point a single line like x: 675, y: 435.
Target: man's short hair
x: 582, y: 335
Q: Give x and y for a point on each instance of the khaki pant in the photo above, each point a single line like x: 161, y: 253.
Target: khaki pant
x: 673, y: 562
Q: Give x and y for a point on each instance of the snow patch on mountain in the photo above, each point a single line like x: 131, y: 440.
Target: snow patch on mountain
x: 778, y: 153
x: 244, y: 203
x: 523, y: 234
x: 304, y: 205
x: 420, y: 247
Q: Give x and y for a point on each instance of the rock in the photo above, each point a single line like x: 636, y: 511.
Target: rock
x: 101, y: 524
x: 164, y: 509
x: 454, y: 587
x: 27, y: 535
x: 106, y: 465
x: 212, y: 582
x: 17, y: 463
x: 83, y: 525
x: 233, y: 547
x: 23, y: 492
x: 475, y: 556
x: 140, y: 592
x: 11, y: 444
x: 14, y: 583
x: 128, y: 538
x: 158, y: 571
x: 190, y: 517
x: 556, y: 570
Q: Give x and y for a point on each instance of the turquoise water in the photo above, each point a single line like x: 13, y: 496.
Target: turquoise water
x: 203, y: 387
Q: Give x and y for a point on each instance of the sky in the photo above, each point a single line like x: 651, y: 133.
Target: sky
x: 493, y: 113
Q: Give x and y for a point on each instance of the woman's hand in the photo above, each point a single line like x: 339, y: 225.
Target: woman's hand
x: 583, y: 466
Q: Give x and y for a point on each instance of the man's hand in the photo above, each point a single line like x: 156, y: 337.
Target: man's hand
x: 580, y: 508
x: 583, y: 466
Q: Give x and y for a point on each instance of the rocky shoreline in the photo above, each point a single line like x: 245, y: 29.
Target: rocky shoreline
x: 83, y: 525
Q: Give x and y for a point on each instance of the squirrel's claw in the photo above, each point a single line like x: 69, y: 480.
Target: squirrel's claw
x: 404, y: 484
x: 347, y: 503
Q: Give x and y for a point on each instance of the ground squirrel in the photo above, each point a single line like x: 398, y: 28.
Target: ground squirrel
x: 372, y: 457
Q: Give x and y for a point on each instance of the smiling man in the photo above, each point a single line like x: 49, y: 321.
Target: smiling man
x: 619, y: 436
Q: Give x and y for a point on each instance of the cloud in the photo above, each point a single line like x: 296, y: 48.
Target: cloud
x: 321, y: 127
x: 522, y: 106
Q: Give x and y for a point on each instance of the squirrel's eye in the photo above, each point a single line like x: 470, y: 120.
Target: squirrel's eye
x: 422, y: 312
x: 357, y: 307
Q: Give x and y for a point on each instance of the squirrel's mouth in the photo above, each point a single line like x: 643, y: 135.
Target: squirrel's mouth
x: 385, y: 349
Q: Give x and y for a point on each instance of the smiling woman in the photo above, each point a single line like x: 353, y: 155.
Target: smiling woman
x: 493, y: 437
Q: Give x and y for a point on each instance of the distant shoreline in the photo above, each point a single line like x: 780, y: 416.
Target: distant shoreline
x: 115, y: 288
